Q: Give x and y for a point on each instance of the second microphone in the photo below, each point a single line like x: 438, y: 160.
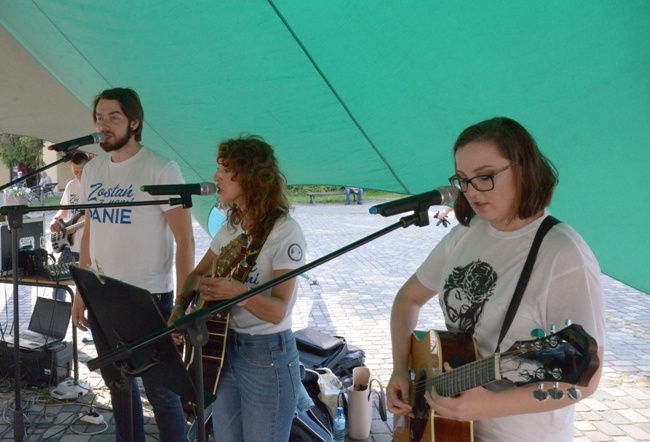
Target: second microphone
x: 181, y: 189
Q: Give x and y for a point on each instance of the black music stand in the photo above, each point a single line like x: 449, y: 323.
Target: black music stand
x: 121, y: 314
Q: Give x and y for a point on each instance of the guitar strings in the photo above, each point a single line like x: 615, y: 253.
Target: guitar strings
x: 462, y: 378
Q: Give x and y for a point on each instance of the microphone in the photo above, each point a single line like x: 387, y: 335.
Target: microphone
x: 68, y: 146
x: 181, y: 189
x: 441, y: 196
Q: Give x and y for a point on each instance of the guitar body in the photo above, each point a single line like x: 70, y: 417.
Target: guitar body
x: 429, y: 350
x: 230, y: 262
x: 214, y: 352
x: 66, y: 236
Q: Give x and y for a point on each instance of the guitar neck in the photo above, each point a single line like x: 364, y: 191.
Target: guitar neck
x: 466, y: 377
x: 73, y: 228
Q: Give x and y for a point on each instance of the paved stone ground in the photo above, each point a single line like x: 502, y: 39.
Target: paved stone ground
x: 351, y: 295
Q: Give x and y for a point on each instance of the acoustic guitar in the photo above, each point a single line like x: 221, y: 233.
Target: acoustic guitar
x: 569, y: 356
x: 230, y: 262
x: 65, y: 236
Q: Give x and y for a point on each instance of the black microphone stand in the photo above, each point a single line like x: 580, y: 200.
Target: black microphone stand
x: 194, y: 325
x: 15, y: 216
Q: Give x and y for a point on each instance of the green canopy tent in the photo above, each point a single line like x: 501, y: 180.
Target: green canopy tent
x: 368, y: 94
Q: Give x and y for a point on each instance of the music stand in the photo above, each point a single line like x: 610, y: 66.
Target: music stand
x: 121, y: 314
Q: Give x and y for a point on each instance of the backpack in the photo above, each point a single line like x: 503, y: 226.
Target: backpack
x: 320, y: 350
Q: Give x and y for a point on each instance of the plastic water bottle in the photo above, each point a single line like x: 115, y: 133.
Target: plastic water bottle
x: 338, y: 426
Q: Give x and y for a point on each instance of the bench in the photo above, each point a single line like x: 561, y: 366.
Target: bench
x: 313, y: 195
x: 42, y: 192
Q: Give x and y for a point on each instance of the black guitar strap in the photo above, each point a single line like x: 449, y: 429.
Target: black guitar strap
x: 546, y: 225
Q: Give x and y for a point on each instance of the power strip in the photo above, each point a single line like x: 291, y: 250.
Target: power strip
x: 92, y: 418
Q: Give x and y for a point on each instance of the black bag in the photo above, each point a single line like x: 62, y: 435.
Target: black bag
x: 320, y: 350
x: 306, y: 427
x: 314, y: 424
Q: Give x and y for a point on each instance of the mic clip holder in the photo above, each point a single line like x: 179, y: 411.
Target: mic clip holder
x: 195, y: 326
x: 185, y: 200
x: 419, y: 218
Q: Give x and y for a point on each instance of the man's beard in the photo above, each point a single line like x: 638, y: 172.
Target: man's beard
x: 119, y: 142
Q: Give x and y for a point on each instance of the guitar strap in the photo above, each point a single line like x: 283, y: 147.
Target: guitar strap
x: 546, y: 225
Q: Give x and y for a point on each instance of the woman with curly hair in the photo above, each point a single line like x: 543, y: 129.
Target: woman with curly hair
x: 259, y: 382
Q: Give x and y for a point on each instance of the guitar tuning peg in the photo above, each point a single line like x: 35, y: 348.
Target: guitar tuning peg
x: 567, y: 322
x: 540, y: 394
x: 555, y: 392
x: 574, y: 393
x: 537, y: 333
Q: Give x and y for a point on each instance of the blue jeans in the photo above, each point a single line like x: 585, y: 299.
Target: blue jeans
x: 358, y: 192
x: 258, y: 388
x: 167, y: 407
x: 66, y: 256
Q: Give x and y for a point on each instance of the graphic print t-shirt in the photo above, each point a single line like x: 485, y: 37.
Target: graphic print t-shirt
x: 133, y: 244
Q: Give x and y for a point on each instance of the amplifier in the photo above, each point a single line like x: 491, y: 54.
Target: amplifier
x: 42, y: 367
x: 30, y: 237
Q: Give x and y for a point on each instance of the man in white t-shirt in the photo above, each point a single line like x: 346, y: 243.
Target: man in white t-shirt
x: 67, y: 224
x: 134, y: 244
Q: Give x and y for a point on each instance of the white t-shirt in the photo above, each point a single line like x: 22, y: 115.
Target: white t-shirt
x: 284, y: 248
x: 133, y: 244
x: 71, y: 197
x: 475, y: 270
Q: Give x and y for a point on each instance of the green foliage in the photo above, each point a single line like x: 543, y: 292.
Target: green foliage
x: 15, y: 149
x: 297, y: 191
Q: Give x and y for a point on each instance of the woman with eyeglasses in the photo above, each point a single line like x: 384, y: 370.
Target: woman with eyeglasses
x: 505, y: 184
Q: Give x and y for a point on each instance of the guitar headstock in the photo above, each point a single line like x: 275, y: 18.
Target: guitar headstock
x: 569, y: 356
x: 230, y: 256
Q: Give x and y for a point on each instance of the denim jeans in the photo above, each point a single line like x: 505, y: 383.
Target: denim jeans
x: 358, y: 192
x: 258, y: 388
x: 167, y: 407
x: 66, y: 256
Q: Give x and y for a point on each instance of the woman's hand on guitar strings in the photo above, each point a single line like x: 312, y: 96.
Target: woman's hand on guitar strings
x: 218, y: 289
x: 397, y: 394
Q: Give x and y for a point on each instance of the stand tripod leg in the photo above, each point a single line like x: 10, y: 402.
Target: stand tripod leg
x: 19, y: 425
x: 200, y: 403
x: 123, y: 411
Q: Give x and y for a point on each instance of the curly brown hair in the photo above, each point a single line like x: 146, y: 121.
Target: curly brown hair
x: 255, y: 167
x: 535, y: 175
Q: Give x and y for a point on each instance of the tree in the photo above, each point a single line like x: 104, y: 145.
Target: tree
x: 15, y: 149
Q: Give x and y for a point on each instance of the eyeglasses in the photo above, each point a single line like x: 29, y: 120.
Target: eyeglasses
x: 482, y: 183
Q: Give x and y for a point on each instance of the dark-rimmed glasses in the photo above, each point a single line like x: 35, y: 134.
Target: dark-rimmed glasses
x: 482, y: 183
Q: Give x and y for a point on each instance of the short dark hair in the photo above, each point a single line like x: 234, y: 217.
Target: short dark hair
x: 129, y: 102
x: 535, y: 175
x: 79, y: 157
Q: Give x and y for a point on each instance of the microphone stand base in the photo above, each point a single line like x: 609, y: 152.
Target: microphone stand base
x: 70, y: 389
